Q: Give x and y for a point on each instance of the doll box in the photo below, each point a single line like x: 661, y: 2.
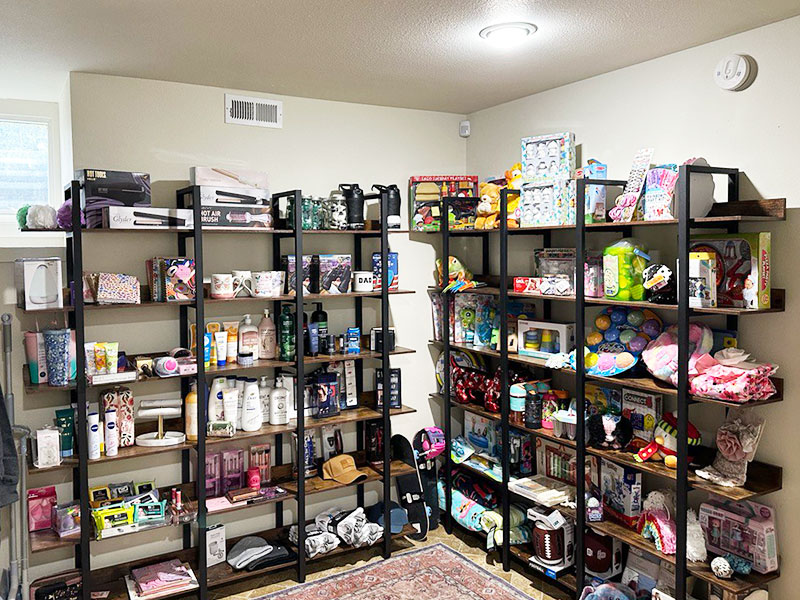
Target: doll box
x: 702, y: 279
x: 541, y: 339
x: 621, y: 488
x: 644, y: 411
x: 746, y: 529
x: 743, y: 267
x: 595, y: 197
x: 425, y: 193
x: 548, y: 157
x: 547, y: 203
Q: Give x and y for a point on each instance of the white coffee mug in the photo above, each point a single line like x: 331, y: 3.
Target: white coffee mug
x: 222, y: 285
x: 267, y: 284
x: 362, y: 281
x: 242, y: 283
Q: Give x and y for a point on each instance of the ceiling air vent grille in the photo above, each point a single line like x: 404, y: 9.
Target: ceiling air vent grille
x: 258, y: 112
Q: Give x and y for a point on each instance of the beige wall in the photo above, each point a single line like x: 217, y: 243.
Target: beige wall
x: 672, y: 104
x: 164, y: 128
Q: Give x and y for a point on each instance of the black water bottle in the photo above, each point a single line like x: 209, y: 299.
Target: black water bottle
x: 392, y: 204
x: 354, y: 198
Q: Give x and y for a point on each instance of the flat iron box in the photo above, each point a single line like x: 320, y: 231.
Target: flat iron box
x: 38, y: 283
x: 100, y: 188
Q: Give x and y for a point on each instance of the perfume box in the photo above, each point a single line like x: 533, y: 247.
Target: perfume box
x: 38, y: 283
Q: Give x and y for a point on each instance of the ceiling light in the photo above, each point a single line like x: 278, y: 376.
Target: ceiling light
x: 508, y: 34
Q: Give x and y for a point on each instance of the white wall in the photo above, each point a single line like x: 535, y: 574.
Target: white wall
x: 164, y: 128
x: 672, y: 104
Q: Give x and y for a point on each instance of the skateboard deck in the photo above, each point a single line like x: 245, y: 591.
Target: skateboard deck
x: 409, y: 487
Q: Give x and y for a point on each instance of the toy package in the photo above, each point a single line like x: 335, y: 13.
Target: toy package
x: 425, y: 193
x: 465, y: 318
x: 745, y: 529
x: 622, y: 492
x: 547, y: 203
x: 602, y: 400
x: 595, y: 197
x: 641, y: 572
x: 556, y: 461
x: 743, y: 267
x: 548, y: 157
x: 541, y: 339
x: 480, y: 432
x: 394, y: 277
x: 644, y: 411
x: 179, y: 280
x: 623, y: 268
x: 702, y: 279
x: 334, y: 273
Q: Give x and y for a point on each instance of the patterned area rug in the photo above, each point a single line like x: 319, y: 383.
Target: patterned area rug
x: 431, y: 573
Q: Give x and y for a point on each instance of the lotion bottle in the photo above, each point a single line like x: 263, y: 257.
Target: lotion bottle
x: 215, y: 409
x: 266, y: 337
x: 248, y: 337
x: 264, y: 390
x: 252, y: 417
x: 190, y: 413
x: 278, y: 406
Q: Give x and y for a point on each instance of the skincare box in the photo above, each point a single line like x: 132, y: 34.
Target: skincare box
x: 38, y: 283
x: 216, y: 552
x: 101, y: 188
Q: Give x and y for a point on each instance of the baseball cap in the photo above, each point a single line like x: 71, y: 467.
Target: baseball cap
x: 342, y: 468
x: 397, y: 516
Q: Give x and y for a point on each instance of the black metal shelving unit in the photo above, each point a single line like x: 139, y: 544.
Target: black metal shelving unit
x: 196, y: 544
x: 728, y: 220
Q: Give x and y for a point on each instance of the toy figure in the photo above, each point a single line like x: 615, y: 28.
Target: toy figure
x: 488, y: 206
x: 455, y: 271
x: 665, y: 442
x: 514, y: 177
x: 609, y: 431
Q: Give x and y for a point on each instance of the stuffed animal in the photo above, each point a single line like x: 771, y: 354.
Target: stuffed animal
x: 455, y: 271
x: 514, y: 177
x: 665, y: 442
x: 514, y: 209
x: 608, y: 591
x: 488, y: 206
x: 609, y: 431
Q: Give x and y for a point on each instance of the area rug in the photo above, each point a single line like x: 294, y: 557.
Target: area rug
x: 432, y: 573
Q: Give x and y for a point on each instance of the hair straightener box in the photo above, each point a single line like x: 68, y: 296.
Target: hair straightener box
x: 127, y: 217
x: 233, y: 196
x: 101, y: 188
x: 228, y: 178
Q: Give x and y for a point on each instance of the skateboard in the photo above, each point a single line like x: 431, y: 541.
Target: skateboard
x: 428, y: 444
x: 409, y: 487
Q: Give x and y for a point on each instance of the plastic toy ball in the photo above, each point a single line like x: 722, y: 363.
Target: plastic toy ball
x: 611, y: 335
x: 652, y: 328
x: 618, y: 315
x: 594, y: 338
x: 638, y: 344
x: 636, y: 318
x: 626, y: 336
x: 590, y: 360
x: 602, y: 322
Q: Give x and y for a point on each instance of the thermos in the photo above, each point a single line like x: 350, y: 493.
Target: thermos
x: 533, y: 408
x: 392, y: 204
x: 354, y: 198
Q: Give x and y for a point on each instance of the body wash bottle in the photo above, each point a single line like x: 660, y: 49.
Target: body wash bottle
x: 248, y: 337
x: 266, y: 337
x: 215, y: 409
x: 320, y: 317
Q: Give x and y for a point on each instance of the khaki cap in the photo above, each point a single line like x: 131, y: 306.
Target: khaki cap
x: 342, y: 468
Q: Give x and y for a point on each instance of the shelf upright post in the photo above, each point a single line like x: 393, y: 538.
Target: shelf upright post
x: 580, y: 381
x: 277, y: 450
x: 448, y: 429
x: 504, y: 395
x: 183, y: 336
x: 359, y: 309
x: 202, y: 417
x: 80, y: 476
x: 682, y: 474
x: 387, y: 422
x: 299, y: 391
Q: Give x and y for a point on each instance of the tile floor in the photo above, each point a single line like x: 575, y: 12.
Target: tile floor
x: 463, y: 542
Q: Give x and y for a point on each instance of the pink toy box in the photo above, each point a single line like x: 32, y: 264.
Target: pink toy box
x: 746, y: 529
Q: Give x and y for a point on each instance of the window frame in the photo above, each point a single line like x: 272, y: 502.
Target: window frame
x: 31, y: 111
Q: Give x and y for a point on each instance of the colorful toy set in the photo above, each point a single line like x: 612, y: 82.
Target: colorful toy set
x: 619, y: 337
x: 547, y: 203
x: 623, y: 267
x: 702, y: 279
x: 548, y: 157
x: 644, y: 412
x: 425, y: 193
x: 541, y: 339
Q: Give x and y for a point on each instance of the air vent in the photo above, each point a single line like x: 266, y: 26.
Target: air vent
x: 258, y: 112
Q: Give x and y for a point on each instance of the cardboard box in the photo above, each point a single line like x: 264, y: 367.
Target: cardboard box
x: 601, y: 400
x: 621, y: 488
x: 644, y: 411
x: 258, y: 217
x: 127, y: 217
x: 234, y: 196
x: 39, y: 283
x: 595, y: 205
x: 702, y: 279
x: 744, y: 261
x: 556, y: 461
x: 395, y: 389
x: 547, y: 203
x: 228, y: 177
x: 216, y: 551
x: 100, y: 187
x: 288, y: 266
x: 532, y: 338
x: 546, y: 158
x: 394, y: 277
x: 425, y: 193
x: 334, y: 273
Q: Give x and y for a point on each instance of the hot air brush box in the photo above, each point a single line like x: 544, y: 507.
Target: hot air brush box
x: 243, y: 215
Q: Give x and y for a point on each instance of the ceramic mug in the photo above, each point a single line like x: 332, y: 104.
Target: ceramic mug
x: 267, y: 284
x: 222, y: 285
x: 362, y: 281
x: 242, y: 283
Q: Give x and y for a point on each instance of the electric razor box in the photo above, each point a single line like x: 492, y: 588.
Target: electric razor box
x: 254, y: 217
x: 100, y: 188
x: 234, y: 196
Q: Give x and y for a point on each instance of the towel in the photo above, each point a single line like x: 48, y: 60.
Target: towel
x: 246, y: 550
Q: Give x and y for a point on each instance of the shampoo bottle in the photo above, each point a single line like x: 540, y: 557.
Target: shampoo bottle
x: 266, y: 337
x: 248, y: 337
x: 320, y: 317
x: 286, y: 328
x: 190, y: 413
x: 278, y: 406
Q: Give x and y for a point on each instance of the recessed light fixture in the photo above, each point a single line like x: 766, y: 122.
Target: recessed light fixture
x: 507, y: 34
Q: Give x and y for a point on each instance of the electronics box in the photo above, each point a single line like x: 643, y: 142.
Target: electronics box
x: 216, y: 552
x: 425, y: 194
x: 231, y: 178
x: 247, y: 216
x: 621, y: 488
x: 335, y: 271
x: 100, y: 188
x: 744, y: 265
x: 644, y: 411
x: 746, y: 529
x: 548, y: 157
x: 541, y: 339
x: 128, y: 217
x: 234, y: 196
x: 38, y: 283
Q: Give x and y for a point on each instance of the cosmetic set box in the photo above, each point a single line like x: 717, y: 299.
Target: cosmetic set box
x: 38, y: 283
x: 101, y: 188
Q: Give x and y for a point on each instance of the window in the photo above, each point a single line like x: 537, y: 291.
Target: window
x: 24, y: 164
x: 30, y: 170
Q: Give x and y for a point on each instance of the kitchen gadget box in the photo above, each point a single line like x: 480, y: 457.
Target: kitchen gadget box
x: 425, y: 193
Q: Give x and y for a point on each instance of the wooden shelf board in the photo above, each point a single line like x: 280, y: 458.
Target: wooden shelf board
x: 47, y: 539
x: 317, y: 485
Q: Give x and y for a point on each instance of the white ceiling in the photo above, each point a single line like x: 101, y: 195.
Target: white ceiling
x: 410, y: 53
